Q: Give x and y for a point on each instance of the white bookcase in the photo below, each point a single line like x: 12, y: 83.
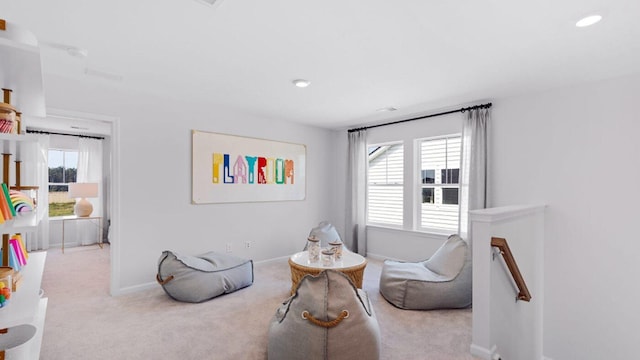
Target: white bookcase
x: 21, y: 71
x: 27, y: 307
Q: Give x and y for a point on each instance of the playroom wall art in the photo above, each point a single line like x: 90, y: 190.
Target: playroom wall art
x: 229, y: 168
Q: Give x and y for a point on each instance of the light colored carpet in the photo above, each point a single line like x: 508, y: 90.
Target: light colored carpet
x: 84, y: 322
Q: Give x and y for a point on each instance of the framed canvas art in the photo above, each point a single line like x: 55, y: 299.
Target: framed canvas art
x: 230, y: 169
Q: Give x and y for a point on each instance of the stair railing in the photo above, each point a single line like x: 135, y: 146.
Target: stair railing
x: 501, y: 244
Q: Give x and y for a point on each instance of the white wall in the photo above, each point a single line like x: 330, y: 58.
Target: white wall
x: 156, y: 213
x: 576, y: 150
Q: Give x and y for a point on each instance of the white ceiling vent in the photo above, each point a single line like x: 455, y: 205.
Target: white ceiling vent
x: 208, y: 2
x: 74, y: 51
x: 103, y: 74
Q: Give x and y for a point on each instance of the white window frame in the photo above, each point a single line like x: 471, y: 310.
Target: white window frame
x: 401, y: 185
x: 418, y: 209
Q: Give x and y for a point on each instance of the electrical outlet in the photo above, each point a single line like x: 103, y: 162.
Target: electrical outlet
x: 228, y: 247
x: 247, y: 244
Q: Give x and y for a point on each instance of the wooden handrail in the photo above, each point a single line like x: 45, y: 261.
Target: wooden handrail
x: 502, y: 245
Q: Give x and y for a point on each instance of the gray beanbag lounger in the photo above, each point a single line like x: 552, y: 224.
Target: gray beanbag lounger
x: 326, y: 318
x: 441, y: 282
x: 203, y: 277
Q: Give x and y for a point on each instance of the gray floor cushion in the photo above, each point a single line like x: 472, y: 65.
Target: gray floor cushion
x: 203, y: 277
x: 295, y: 334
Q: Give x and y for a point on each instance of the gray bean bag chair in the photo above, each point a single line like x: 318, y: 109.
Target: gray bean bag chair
x: 326, y: 318
x: 203, y: 277
x: 441, y: 282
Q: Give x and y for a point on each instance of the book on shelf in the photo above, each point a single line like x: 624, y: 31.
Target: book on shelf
x: 5, y: 191
x: 13, y: 259
x: 1, y: 216
x: 13, y: 243
x: 17, y: 253
x: 18, y: 237
x: 4, y: 206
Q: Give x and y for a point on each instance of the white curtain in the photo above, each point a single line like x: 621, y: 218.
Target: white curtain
x: 90, y: 171
x: 473, y: 168
x: 35, y: 171
x: 357, y: 166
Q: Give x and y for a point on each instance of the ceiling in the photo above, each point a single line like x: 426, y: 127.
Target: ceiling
x: 360, y: 56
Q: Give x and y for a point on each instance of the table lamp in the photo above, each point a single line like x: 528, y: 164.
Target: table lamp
x: 83, y: 191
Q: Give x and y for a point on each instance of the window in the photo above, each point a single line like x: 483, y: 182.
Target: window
x: 427, y: 195
x: 428, y: 176
x: 63, y: 167
x: 440, y: 170
x: 385, y: 184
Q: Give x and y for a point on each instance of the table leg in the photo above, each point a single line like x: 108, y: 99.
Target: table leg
x: 63, y: 236
x: 100, y: 232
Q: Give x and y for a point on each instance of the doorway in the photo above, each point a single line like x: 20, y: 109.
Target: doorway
x: 70, y: 133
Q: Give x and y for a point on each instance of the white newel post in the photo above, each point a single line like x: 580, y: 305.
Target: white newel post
x: 501, y: 325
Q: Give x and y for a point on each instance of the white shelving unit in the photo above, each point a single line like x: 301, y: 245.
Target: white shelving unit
x: 26, y: 307
x: 23, y: 303
x: 21, y: 71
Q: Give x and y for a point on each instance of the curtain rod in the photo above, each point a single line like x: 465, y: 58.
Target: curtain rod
x: 29, y: 131
x: 482, y: 106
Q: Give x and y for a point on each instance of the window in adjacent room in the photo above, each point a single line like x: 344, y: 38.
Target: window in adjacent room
x: 439, y: 160
x: 385, y: 184
x: 63, y: 166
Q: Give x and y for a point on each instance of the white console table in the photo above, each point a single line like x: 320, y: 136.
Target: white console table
x: 64, y: 219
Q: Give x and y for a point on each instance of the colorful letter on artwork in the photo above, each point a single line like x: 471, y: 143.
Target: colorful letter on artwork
x: 271, y: 174
x: 262, y: 164
x: 279, y: 171
x: 288, y: 170
x: 240, y: 171
x: 228, y: 178
x: 217, y: 160
x: 251, y: 163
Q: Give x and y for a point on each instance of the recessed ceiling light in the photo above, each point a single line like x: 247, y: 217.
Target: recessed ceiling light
x: 588, y: 21
x: 301, y: 83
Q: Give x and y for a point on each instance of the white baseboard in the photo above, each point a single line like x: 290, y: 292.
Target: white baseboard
x: 135, y: 288
x: 482, y: 352
x: 271, y: 260
x: 381, y: 257
x: 376, y: 257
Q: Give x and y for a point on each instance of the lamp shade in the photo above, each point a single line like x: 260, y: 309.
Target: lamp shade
x: 83, y: 207
x: 83, y: 190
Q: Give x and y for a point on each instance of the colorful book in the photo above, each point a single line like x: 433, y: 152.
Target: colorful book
x: 4, y: 207
x: 22, y: 247
x: 1, y: 217
x: 13, y: 260
x: 15, y: 247
x: 5, y: 190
